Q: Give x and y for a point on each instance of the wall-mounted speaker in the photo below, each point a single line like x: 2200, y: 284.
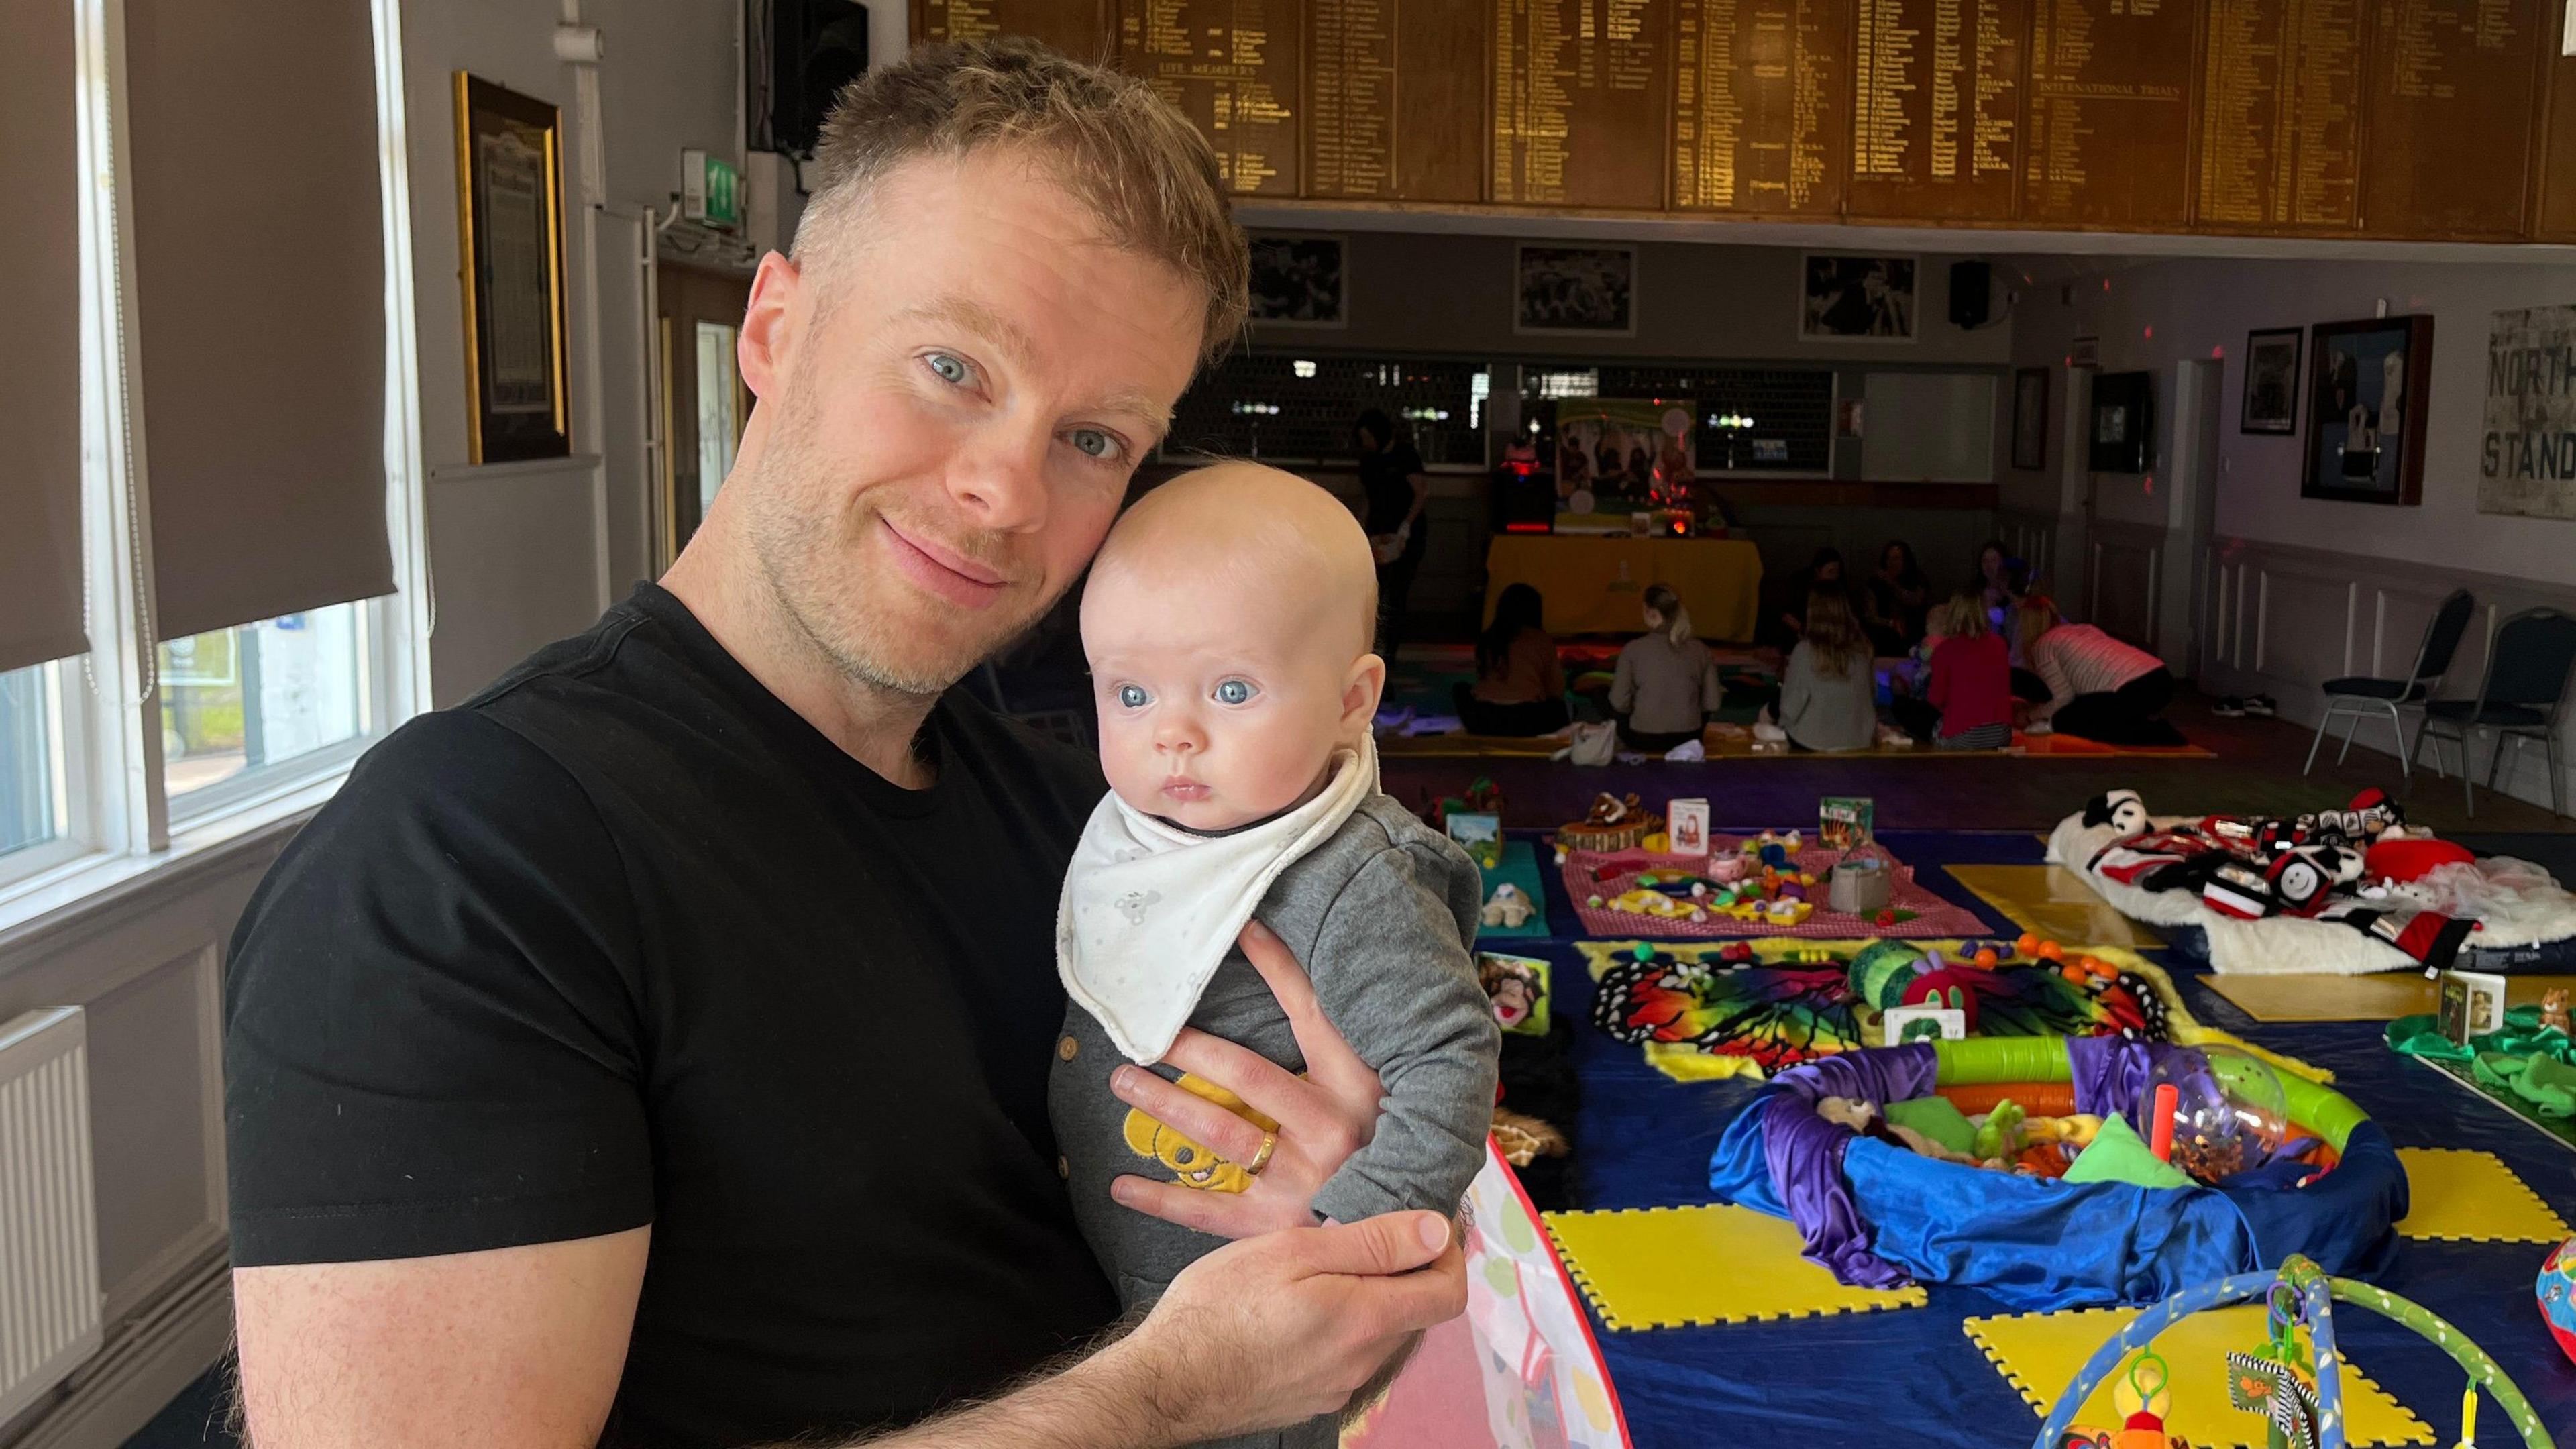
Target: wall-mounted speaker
x: 1972, y: 294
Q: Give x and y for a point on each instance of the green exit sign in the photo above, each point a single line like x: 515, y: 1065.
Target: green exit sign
x: 710, y: 189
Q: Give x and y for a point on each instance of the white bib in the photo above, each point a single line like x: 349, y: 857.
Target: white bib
x: 1150, y: 910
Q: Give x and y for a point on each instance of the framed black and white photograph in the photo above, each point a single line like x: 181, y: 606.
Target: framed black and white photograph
x: 1856, y: 299
x: 509, y: 183
x: 1588, y: 291
x: 2124, y: 422
x: 2367, y: 387
x: 2030, y: 418
x: 1297, y: 281
x: 2271, y: 381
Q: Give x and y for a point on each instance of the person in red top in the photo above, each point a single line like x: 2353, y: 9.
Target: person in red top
x: 1967, y: 696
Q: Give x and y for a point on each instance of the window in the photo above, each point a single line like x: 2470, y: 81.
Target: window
x: 33, y: 784
x: 236, y: 702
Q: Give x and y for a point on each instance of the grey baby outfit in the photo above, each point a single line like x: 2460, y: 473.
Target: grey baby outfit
x: 1383, y: 915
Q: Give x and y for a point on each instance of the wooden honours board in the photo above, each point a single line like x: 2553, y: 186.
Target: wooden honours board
x: 1761, y: 90
x: 2454, y: 89
x: 1396, y: 100
x: 2449, y: 119
x: 2280, y: 115
x: 2109, y: 133
x: 1937, y: 108
x: 1579, y: 93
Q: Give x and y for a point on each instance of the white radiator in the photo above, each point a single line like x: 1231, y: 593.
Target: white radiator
x: 49, y: 1298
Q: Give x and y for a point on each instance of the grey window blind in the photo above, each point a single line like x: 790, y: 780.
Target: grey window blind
x: 259, y: 264
x: 40, y: 445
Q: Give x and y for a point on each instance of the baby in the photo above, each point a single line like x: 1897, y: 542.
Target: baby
x: 1228, y: 622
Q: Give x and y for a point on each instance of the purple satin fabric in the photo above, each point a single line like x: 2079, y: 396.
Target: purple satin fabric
x: 2110, y: 1072
x: 1805, y: 1152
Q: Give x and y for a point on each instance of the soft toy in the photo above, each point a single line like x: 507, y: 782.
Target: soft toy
x: 1615, y: 823
x: 1509, y: 908
x: 2122, y: 810
x: 1935, y: 1117
x: 2118, y: 1156
x: 2553, y: 1010
x: 1999, y: 1132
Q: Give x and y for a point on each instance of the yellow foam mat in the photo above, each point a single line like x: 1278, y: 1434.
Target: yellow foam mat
x: 2382, y: 996
x: 2472, y: 1197
x: 2053, y: 902
x: 2039, y: 1353
x: 1677, y: 1267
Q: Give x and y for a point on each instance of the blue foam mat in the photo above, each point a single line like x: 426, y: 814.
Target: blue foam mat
x: 1644, y: 1141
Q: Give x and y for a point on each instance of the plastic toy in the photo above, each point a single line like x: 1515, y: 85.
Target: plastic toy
x: 2557, y: 1293
x: 2298, y: 1387
x: 1508, y: 907
x: 2222, y: 1111
x: 1647, y: 901
x: 2144, y: 1397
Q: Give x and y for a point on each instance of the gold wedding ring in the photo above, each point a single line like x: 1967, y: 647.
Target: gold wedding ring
x: 1261, y: 1159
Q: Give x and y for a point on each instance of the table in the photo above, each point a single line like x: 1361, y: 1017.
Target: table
x: 1592, y: 584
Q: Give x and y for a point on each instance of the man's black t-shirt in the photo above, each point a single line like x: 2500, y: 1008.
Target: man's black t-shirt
x: 623, y: 940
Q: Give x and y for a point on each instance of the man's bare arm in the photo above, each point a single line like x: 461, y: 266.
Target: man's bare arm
x: 521, y: 1348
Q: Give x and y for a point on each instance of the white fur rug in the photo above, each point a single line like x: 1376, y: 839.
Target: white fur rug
x: 2514, y: 901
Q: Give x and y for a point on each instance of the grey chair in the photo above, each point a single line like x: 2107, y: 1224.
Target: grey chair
x: 2522, y: 699
x: 2361, y: 696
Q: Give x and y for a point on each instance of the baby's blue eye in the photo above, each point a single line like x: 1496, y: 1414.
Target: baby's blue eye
x: 1236, y: 691
x: 1133, y: 696
x: 950, y: 369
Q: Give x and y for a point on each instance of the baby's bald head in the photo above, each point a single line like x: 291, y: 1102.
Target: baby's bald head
x: 1251, y: 532
x: 1228, y: 621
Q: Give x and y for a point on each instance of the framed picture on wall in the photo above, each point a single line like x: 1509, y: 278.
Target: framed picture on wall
x: 2271, y: 381
x: 509, y: 218
x: 2367, y: 387
x: 1585, y: 291
x: 1856, y: 299
x: 1297, y: 281
x: 2030, y: 418
x: 2124, y: 422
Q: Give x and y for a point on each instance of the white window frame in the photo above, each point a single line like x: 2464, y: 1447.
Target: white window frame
x: 118, y: 825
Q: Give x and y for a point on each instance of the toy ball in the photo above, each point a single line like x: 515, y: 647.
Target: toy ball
x: 2557, y: 1293
x: 2230, y: 1114
x: 2027, y: 944
x: 1984, y: 960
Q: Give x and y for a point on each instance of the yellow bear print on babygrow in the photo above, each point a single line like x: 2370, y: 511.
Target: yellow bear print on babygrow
x: 1191, y: 1164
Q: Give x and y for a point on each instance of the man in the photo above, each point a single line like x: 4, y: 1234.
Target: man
x: 653, y: 1049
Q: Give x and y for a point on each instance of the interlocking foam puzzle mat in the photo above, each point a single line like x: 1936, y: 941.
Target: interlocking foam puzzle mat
x: 2472, y: 1197
x: 1678, y: 1267
x: 2054, y: 902
x: 2039, y: 1354
x: 2384, y: 996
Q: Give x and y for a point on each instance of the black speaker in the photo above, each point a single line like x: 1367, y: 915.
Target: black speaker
x: 1971, y: 293
x: 815, y: 48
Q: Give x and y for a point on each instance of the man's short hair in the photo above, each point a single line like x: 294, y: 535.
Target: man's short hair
x: 1147, y: 175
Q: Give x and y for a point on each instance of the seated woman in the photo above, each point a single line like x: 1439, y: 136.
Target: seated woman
x: 1519, y: 687
x: 2098, y: 688
x: 1896, y: 600
x: 1829, y: 693
x: 1966, y: 702
x: 1788, y: 620
x: 1666, y: 685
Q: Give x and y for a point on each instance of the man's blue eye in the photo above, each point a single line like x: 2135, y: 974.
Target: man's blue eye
x: 1133, y: 696
x: 1093, y: 443
x: 1235, y: 691
x: 950, y: 369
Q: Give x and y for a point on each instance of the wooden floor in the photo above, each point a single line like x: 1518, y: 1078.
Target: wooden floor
x: 2256, y: 773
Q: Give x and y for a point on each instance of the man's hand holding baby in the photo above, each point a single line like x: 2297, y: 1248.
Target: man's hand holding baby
x: 1323, y: 1116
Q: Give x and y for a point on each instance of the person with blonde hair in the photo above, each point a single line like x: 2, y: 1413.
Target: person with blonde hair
x: 2098, y: 687
x: 1966, y: 703
x: 1829, y: 691
x: 1665, y: 686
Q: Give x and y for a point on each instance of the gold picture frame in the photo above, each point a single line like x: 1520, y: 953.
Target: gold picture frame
x: 509, y: 223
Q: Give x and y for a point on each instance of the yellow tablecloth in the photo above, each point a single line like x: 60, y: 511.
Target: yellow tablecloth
x: 1592, y: 584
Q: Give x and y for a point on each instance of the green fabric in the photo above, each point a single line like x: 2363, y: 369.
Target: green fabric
x: 2533, y: 1062
x: 1935, y: 1117
x: 2118, y: 1156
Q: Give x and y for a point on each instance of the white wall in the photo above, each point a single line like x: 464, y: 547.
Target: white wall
x: 2152, y: 317
x: 523, y: 555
